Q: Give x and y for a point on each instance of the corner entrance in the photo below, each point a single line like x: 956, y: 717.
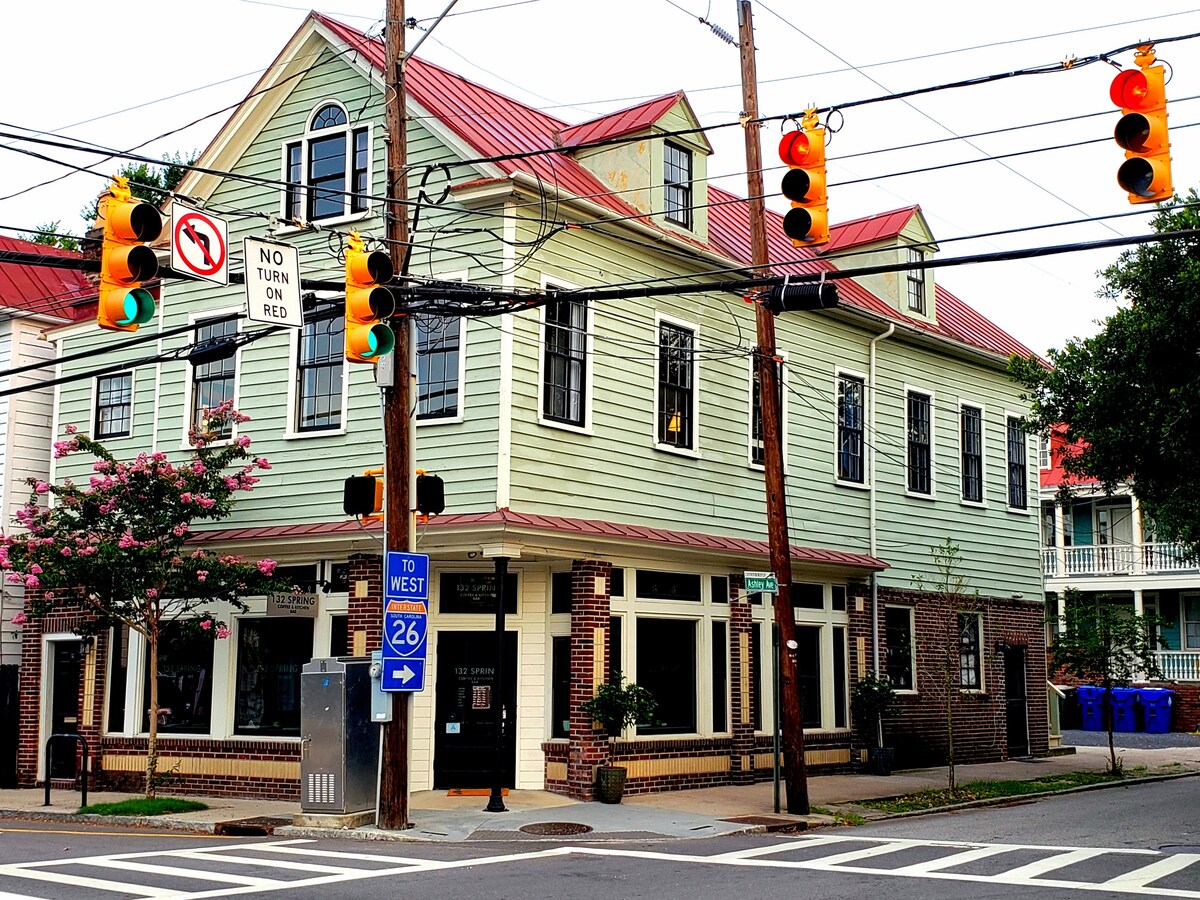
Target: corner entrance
x: 66, y: 677
x: 464, y: 743
x: 1016, y: 701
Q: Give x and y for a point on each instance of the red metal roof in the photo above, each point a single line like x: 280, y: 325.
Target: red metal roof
x: 868, y: 229
x: 621, y: 123
x: 1056, y: 476
x: 40, y: 289
x: 535, y: 524
x: 495, y: 125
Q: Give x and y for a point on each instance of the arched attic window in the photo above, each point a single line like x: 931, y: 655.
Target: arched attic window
x: 328, y: 170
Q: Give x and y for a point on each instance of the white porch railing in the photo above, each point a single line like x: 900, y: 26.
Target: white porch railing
x: 1179, y: 665
x: 1116, y: 559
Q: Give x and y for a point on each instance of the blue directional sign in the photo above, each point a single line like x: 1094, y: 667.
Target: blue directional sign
x: 405, y: 621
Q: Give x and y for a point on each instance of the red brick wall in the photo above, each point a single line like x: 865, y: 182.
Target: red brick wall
x: 588, y: 747
x: 366, y: 612
x: 1185, y: 706
x: 741, y: 622
x: 234, y: 785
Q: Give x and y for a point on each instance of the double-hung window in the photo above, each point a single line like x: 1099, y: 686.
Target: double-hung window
x: 677, y: 184
x: 439, y: 366
x: 851, y: 408
x: 328, y: 170
x: 676, y: 386
x: 114, y: 406
x: 1018, y: 475
x: 757, y: 450
x: 916, y: 281
x: 920, y: 443
x: 213, y: 382
x: 900, y: 659
x: 319, y: 370
x: 970, y: 666
x: 971, y: 442
x: 564, y: 364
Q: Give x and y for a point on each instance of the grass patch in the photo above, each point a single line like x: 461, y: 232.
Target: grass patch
x: 986, y: 790
x: 140, y: 806
x: 839, y: 816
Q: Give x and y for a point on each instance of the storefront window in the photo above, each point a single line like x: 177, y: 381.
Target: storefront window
x: 666, y: 667
x: 270, y: 653
x: 185, y: 667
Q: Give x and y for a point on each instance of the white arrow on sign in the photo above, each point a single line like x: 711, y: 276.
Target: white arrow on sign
x: 404, y: 674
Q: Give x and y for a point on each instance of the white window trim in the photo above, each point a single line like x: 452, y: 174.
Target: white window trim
x: 549, y: 283
x: 838, y: 374
x: 461, y: 277
x: 290, y: 431
x: 92, y: 430
x: 303, y: 140
x: 1031, y: 472
x: 661, y: 319
x: 981, y: 503
x: 189, y: 373
x: 932, y: 495
x: 783, y: 410
x: 1184, y: 596
x: 912, y: 647
x: 906, y: 251
x: 980, y: 653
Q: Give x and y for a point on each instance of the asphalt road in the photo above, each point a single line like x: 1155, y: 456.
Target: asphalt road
x: 1142, y: 840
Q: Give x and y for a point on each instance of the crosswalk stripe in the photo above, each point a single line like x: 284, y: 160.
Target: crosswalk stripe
x: 1139, y: 878
x: 5, y: 895
x: 265, y: 863
x: 864, y: 853
x: 338, y: 854
x: 1049, y: 864
x: 949, y: 862
x: 767, y: 850
x: 98, y: 884
x: 198, y: 874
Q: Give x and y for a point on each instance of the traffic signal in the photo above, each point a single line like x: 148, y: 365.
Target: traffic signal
x: 1142, y: 130
x: 368, y: 303
x: 803, y: 297
x: 431, y: 494
x: 125, y: 260
x: 362, y: 495
x: 807, y: 223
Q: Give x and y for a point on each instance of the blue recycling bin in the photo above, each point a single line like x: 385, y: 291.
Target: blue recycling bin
x: 1090, y: 707
x: 1124, y: 701
x: 1156, y: 704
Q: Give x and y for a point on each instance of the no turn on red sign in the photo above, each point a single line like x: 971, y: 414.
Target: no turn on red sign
x: 199, y: 244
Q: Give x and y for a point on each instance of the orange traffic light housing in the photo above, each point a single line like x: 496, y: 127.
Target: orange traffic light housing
x: 1142, y: 130
x: 807, y: 223
x: 125, y: 260
x: 368, y: 303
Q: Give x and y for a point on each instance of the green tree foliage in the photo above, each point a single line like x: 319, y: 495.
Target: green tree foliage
x: 1131, y: 393
x: 48, y: 236
x: 150, y: 183
x: 619, y: 705
x: 1107, y: 646
x: 115, y: 548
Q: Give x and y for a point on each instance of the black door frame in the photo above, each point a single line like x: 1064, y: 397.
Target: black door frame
x: 63, y: 717
x: 1015, y: 659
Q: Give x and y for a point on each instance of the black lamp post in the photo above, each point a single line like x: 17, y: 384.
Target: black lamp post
x: 496, y: 800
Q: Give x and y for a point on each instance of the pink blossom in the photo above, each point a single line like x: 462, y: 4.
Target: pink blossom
x: 35, y: 569
x: 205, y: 624
x: 243, y: 441
x: 158, y: 456
x: 266, y: 566
x: 222, y: 632
x: 185, y: 497
x: 66, y: 551
x: 152, y: 593
x: 15, y: 578
x: 19, y: 619
x: 126, y: 541
x: 31, y: 581
x: 206, y: 502
x: 198, y: 468
x: 72, y: 429
x: 262, y: 463
x: 179, y: 530
x: 202, y: 575
x: 42, y: 487
x: 231, y: 483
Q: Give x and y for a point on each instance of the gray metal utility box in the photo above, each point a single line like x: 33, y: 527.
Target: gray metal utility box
x: 339, y: 747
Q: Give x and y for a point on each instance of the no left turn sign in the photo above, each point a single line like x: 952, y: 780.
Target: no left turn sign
x: 199, y: 244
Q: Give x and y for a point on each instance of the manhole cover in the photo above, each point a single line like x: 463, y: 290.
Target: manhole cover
x: 555, y: 828
x: 250, y: 827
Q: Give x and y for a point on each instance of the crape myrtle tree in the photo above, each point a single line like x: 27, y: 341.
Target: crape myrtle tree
x: 1129, y: 396
x: 1107, y: 646
x: 116, y: 547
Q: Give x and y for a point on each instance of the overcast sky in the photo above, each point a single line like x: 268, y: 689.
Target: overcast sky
x: 74, y: 67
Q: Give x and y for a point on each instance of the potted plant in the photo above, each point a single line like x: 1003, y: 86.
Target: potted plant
x: 871, y: 699
x: 616, y: 706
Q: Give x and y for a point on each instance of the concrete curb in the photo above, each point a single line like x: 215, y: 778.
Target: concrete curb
x: 876, y: 815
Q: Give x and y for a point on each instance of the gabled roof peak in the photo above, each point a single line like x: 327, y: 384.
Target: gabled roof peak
x: 620, y: 123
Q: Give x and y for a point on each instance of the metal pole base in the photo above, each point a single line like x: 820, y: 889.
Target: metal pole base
x: 496, y: 802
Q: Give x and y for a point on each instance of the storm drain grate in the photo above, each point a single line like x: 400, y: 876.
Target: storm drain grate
x: 555, y: 828
x: 771, y: 823
x: 250, y: 827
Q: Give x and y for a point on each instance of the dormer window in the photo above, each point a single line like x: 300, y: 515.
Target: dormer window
x: 328, y: 170
x: 916, y: 281
x: 677, y: 184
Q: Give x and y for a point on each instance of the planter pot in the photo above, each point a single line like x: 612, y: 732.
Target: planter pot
x: 881, y: 760
x: 610, y: 784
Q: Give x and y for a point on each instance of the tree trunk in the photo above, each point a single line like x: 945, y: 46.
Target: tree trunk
x: 1106, y: 700
x: 152, y: 741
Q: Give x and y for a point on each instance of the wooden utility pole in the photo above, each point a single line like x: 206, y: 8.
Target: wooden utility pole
x: 397, y: 410
x: 768, y: 392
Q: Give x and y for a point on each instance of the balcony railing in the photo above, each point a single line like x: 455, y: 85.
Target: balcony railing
x: 1179, y: 665
x: 1116, y: 559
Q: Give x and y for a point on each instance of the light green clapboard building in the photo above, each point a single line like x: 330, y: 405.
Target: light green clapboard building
x: 609, y: 450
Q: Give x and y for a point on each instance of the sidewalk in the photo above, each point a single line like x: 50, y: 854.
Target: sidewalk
x: 677, y: 814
